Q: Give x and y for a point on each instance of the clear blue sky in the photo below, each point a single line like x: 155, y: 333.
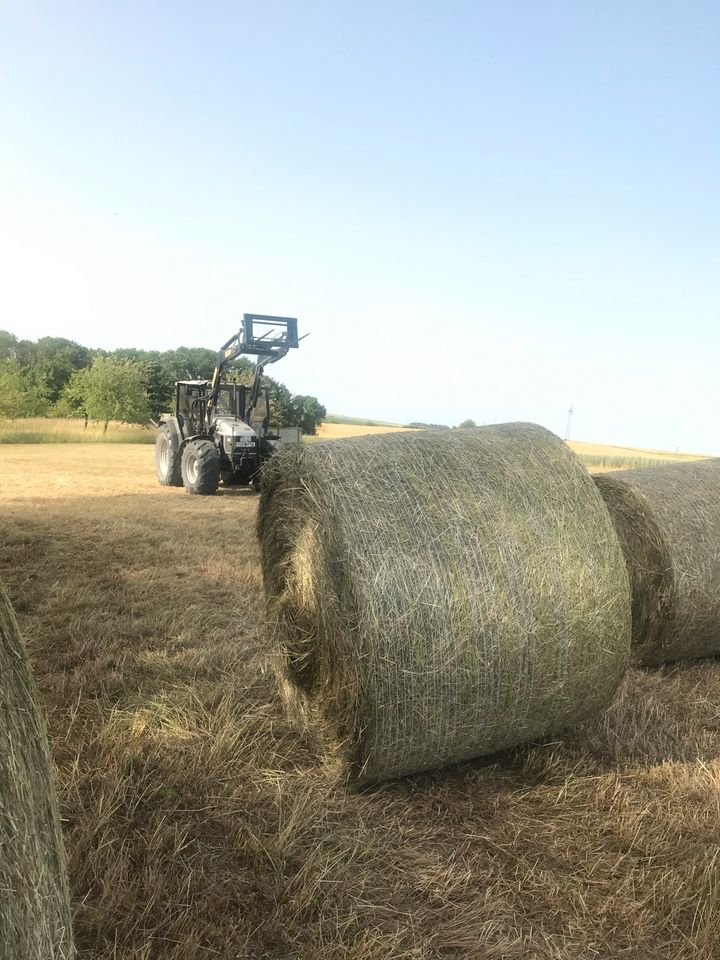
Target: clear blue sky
x: 478, y: 209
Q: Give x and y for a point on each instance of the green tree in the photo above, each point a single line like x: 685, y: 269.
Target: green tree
x: 18, y: 396
x: 47, y: 364
x: 188, y: 363
x: 466, y: 423
x: 159, y: 389
x: 57, y: 360
x: 110, y: 390
x: 242, y: 368
x: 281, y: 405
x: 308, y: 413
x: 8, y: 345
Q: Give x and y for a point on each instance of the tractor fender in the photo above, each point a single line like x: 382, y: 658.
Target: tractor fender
x: 195, y: 436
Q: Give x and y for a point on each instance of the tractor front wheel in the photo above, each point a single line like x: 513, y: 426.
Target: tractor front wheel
x: 167, y: 459
x: 201, y: 467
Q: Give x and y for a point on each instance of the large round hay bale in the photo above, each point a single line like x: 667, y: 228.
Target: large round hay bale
x: 668, y: 522
x: 34, y: 905
x: 438, y: 595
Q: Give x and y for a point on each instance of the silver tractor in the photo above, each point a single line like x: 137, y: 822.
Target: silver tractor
x: 221, y: 430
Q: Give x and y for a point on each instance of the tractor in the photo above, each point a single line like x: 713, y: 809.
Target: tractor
x: 221, y: 430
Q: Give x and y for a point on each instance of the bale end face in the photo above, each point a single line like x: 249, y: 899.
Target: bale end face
x: 648, y: 557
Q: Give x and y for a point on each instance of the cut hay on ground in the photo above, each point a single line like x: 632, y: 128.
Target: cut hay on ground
x: 668, y: 522
x: 436, y: 596
x: 201, y: 826
x: 34, y: 906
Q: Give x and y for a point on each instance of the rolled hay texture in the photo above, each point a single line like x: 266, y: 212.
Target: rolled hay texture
x: 439, y: 595
x: 34, y: 904
x: 668, y: 522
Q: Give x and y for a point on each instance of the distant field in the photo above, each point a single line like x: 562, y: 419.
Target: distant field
x: 359, y: 421
x: 601, y: 456
x: 67, y: 430
x: 596, y: 456
x: 336, y: 431
x: 61, y: 430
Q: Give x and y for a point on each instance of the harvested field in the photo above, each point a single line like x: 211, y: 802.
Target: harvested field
x: 336, y: 431
x: 200, y: 825
x: 71, y: 430
x: 582, y: 448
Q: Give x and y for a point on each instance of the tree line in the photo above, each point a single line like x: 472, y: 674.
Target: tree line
x: 53, y: 376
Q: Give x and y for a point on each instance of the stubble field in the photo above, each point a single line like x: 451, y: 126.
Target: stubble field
x: 199, y: 824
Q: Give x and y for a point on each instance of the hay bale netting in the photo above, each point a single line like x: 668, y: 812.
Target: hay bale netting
x: 438, y: 595
x: 668, y: 522
x: 34, y: 905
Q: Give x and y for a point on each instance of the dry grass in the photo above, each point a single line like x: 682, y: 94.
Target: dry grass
x: 199, y: 825
x: 69, y: 430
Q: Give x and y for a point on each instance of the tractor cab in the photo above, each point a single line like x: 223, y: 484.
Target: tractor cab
x: 191, y: 404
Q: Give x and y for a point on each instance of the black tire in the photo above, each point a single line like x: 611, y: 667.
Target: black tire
x: 201, y: 467
x: 167, y: 459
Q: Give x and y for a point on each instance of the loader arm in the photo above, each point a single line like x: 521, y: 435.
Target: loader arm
x: 266, y: 337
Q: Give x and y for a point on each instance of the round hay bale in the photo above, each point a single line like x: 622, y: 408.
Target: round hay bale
x: 34, y: 904
x: 668, y: 523
x: 439, y: 595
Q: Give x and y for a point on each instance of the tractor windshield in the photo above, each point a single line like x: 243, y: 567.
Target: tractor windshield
x: 260, y: 413
x: 190, y: 402
x: 226, y: 401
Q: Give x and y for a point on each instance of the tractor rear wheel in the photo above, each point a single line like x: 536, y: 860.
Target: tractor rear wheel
x: 167, y: 459
x: 201, y: 467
